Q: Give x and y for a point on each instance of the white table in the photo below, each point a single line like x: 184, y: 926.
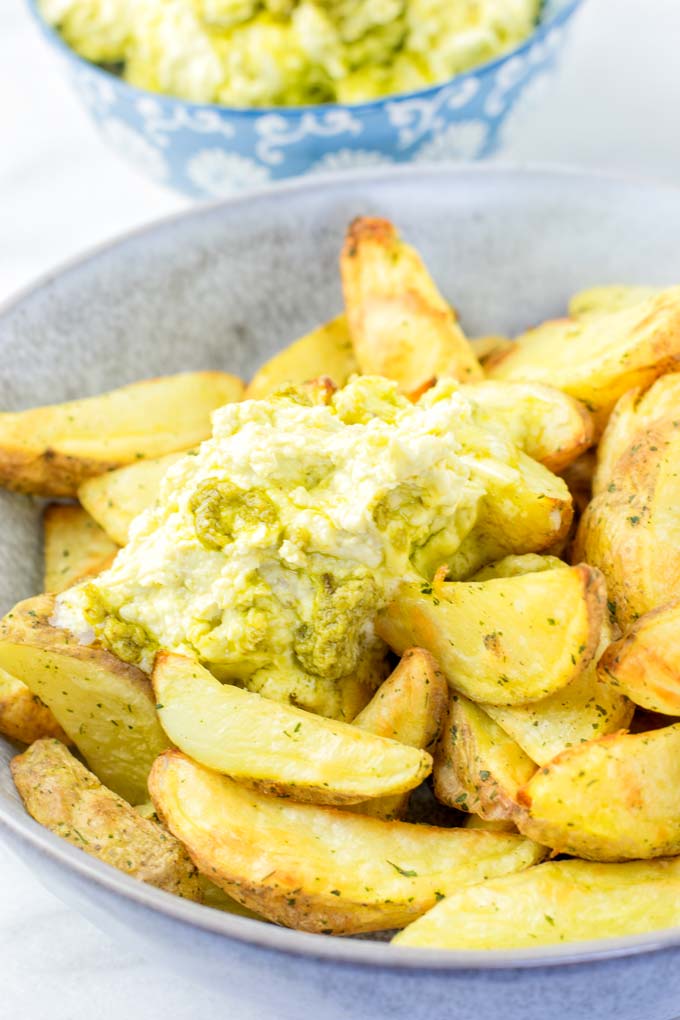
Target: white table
x: 614, y: 106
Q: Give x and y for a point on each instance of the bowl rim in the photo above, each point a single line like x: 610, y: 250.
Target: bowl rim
x: 541, y: 30
x: 23, y: 830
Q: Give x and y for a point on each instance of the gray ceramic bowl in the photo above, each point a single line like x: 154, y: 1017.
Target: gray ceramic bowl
x: 223, y: 287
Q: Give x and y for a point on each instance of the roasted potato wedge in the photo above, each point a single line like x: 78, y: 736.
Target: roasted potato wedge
x: 555, y: 902
x: 506, y: 641
x: 597, y: 358
x: 277, y: 747
x: 114, y: 499
x: 105, y: 706
x: 51, y: 450
x: 645, y: 663
x: 612, y: 297
x: 612, y: 799
x: 517, y: 566
x: 409, y: 707
x: 585, y: 709
x: 478, y: 768
x: 75, y: 546
x: 526, y: 510
x: 321, y: 869
x: 23, y: 716
x: 60, y: 793
x: 634, y: 414
x: 401, y: 327
x: 631, y: 531
x: 327, y: 351
x: 489, y: 824
x: 485, y: 346
x: 548, y: 425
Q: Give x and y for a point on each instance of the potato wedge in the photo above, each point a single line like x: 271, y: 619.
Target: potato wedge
x: 75, y: 546
x: 597, y: 358
x: 23, y: 716
x: 631, y: 531
x: 478, y: 768
x: 526, y: 510
x: 51, y: 450
x: 517, y: 566
x: 548, y: 425
x: 635, y: 412
x: 506, y: 641
x: 60, y: 793
x: 321, y: 869
x: 489, y: 824
x: 114, y: 499
x: 610, y: 298
x: 612, y: 799
x: 401, y: 327
x: 555, y: 902
x: 325, y: 351
x: 409, y: 707
x: 276, y: 747
x: 585, y: 709
x: 645, y: 663
x: 105, y: 706
x: 485, y: 346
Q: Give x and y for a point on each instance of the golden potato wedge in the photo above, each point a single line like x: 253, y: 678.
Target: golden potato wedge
x: 548, y: 425
x: 645, y: 663
x: 23, y: 716
x: 277, y: 747
x: 516, y: 566
x: 631, y: 531
x: 507, y: 641
x: 318, y: 868
x: 555, y: 902
x: 612, y: 799
x: 585, y: 709
x: 635, y: 412
x: 75, y: 546
x: 401, y: 327
x: 60, y: 793
x: 609, y: 298
x: 51, y: 450
x: 325, y: 351
x: 485, y: 346
x: 478, y: 768
x: 527, y: 509
x: 115, y: 498
x: 105, y: 706
x: 409, y: 707
x: 597, y: 358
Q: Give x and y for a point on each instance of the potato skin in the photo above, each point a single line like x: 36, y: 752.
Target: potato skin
x: 23, y: 716
x: 471, y: 628
x: 645, y: 663
x: 478, y: 768
x: 105, y: 706
x: 316, y: 868
x: 401, y: 327
x: 553, y: 903
x: 60, y: 793
x: 612, y: 799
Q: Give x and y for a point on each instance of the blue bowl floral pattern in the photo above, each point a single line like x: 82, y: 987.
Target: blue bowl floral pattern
x: 210, y: 152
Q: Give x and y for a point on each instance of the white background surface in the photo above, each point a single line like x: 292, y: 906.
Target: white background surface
x: 615, y: 105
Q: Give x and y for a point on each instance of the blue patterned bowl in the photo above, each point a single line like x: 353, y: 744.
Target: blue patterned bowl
x: 209, y: 151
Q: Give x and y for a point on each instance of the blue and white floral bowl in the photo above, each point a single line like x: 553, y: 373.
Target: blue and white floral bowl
x: 209, y: 151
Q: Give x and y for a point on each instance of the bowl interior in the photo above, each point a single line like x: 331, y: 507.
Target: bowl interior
x: 226, y: 286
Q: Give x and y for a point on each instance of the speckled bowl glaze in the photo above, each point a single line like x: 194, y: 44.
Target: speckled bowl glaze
x: 224, y: 287
x: 209, y: 151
